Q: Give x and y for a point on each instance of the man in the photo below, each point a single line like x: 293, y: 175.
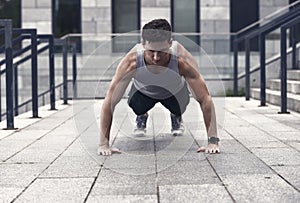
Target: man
x: 160, y: 71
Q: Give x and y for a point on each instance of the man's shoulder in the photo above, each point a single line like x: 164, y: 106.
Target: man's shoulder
x: 181, y: 50
x: 129, y: 61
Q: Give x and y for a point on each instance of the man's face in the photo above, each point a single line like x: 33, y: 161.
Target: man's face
x: 157, y: 53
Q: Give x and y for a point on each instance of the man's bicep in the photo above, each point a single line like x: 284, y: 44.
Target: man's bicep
x: 120, y: 81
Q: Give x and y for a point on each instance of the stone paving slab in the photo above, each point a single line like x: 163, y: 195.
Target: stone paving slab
x: 57, y: 190
x: 114, y: 182
x: 53, y: 158
x: 278, y: 156
x: 194, y: 193
x: 121, y: 198
x: 260, y: 188
x: 180, y: 173
x: 72, y: 167
x: 16, y: 177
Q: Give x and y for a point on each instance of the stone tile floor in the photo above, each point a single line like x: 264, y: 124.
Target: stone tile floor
x: 53, y: 158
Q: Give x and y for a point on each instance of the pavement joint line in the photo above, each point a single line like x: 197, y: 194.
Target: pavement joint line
x: 67, y: 177
x: 38, y: 176
x: 101, y: 165
x: 206, y: 158
x: 155, y: 162
x: 284, y: 165
x: 298, y: 190
x: 219, y: 177
x: 93, y: 184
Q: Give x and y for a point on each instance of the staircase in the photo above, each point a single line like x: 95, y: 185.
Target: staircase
x: 273, y: 95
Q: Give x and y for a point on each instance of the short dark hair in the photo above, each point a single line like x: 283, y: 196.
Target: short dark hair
x: 157, y: 30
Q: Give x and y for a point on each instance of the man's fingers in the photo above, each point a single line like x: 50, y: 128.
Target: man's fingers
x: 116, y: 150
x: 201, y: 149
x: 108, y: 152
x: 99, y: 152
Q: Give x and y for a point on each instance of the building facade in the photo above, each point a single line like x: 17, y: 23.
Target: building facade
x: 210, y: 22
x: 105, y: 16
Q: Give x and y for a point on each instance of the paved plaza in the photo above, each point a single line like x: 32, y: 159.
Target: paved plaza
x: 53, y: 158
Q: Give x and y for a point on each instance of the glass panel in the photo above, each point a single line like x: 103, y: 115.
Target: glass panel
x: 67, y: 19
x: 11, y: 10
x: 250, y: 13
x: 126, y: 18
x: 297, y: 27
x: 185, y: 18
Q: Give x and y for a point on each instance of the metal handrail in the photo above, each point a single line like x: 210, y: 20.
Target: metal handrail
x: 40, y: 95
x: 12, y: 70
x: 283, y: 68
x: 261, y: 32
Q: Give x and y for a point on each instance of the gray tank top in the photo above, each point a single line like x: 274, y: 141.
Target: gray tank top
x: 158, y: 85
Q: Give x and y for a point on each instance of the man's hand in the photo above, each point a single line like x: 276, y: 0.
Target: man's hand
x: 210, y: 149
x: 105, y: 150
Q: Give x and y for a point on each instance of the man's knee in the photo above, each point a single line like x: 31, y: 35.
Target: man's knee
x: 137, y: 109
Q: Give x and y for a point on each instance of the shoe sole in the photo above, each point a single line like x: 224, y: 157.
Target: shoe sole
x: 177, y: 132
x: 139, y: 132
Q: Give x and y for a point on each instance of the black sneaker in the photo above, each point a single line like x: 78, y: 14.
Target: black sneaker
x: 177, y: 125
x: 141, y: 122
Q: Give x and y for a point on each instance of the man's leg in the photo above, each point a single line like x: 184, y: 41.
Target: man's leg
x: 140, y: 104
x: 177, y: 104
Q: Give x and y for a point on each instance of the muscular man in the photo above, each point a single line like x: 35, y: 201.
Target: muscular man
x: 161, y: 70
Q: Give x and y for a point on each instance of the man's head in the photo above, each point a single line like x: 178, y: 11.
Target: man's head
x: 156, y: 39
x: 157, y: 30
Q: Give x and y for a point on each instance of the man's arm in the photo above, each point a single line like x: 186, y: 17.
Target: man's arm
x: 189, y: 69
x: 120, y: 81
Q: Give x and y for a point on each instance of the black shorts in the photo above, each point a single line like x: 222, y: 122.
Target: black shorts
x: 141, y: 103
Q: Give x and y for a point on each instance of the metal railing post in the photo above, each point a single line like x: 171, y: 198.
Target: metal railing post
x: 74, y: 65
x: 247, y: 68
x: 283, y: 70
x: 9, y: 74
x: 34, y: 74
x: 51, y: 73
x: 65, y: 71
x: 294, y: 48
x: 235, y: 67
x: 16, y: 88
x: 0, y: 100
x: 262, y: 47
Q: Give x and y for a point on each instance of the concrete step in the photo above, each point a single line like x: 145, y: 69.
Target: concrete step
x: 293, y: 86
x: 274, y: 97
x: 293, y: 75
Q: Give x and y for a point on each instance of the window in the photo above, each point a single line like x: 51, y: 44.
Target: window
x: 297, y: 27
x: 185, y: 18
x: 242, y: 14
x: 126, y: 17
x: 66, y: 19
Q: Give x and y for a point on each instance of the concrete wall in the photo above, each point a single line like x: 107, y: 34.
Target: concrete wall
x: 37, y: 14
x: 96, y: 16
